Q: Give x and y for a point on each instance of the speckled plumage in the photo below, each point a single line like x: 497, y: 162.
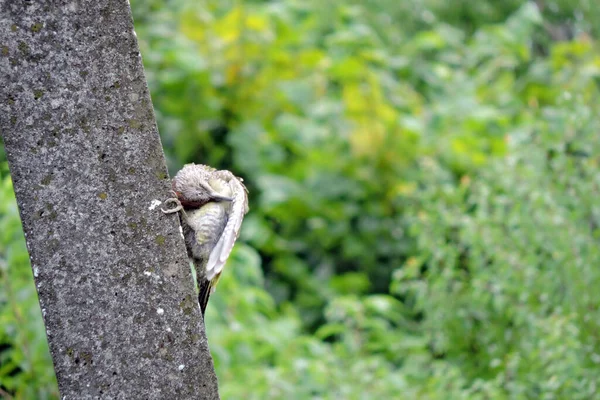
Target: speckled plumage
x: 214, y: 204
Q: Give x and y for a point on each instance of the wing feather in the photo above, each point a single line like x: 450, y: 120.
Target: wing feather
x: 239, y: 207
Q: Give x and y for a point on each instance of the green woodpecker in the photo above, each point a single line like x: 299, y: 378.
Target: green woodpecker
x: 212, y: 204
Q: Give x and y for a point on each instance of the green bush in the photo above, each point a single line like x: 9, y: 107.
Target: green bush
x: 505, y: 276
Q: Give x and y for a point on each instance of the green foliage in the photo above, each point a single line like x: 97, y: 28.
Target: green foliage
x: 505, y: 276
x: 422, y: 181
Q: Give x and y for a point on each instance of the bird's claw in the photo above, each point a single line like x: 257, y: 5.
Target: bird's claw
x: 177, y: 207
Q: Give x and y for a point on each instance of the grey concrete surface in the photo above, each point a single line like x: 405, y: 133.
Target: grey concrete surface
x: 88, y: 169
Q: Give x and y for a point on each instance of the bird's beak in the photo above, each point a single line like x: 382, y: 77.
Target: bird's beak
x: 214, y: 195
x: 217, y: 197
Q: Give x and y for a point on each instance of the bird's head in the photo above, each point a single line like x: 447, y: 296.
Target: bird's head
x: 196, y: 185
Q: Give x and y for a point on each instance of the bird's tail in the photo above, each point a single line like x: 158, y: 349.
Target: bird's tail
x: 205, y: 290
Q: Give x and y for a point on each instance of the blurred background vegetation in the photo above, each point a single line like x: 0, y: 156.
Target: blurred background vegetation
x: 423, y: 178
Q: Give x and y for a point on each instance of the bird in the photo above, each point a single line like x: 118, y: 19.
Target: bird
x: 212, y: 204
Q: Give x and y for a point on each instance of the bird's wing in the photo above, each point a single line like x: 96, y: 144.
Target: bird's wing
x: 239, y: 207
